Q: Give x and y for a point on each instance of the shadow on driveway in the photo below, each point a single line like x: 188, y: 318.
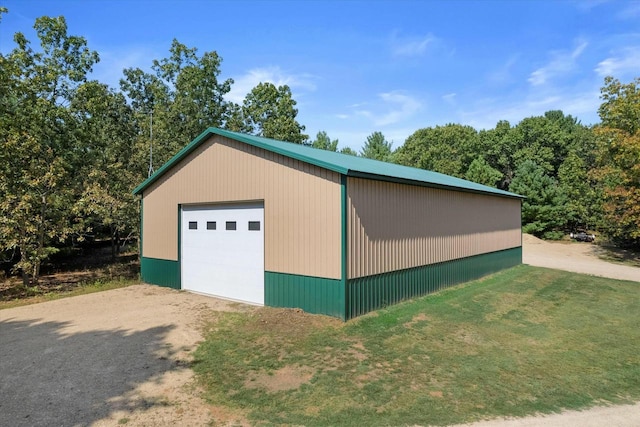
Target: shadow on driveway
x: 51, y: 377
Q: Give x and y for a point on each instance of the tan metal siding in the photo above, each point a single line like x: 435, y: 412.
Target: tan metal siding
x: 394, y: 226
x: 302, y: 204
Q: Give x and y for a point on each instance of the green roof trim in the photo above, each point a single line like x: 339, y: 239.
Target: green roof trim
x: 341, y: 163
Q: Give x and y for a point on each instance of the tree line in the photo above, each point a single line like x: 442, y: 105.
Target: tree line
x: 74, y: 148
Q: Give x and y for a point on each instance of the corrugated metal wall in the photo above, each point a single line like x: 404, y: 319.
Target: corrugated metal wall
x: 366, y: 294
x: 395, y: 226
x: 302, y: 204
x: 312, y: 294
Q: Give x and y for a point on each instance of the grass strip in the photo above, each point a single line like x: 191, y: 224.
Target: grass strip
x: 527, y: 340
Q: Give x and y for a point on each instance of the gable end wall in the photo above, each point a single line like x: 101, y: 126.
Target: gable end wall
x: 302, y: 204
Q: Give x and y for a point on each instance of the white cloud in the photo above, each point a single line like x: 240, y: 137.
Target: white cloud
x: 243, y: 84
x: 628, y: 60
x: 406, y: 107
x: 562, y: 62
x: 395, y: 106
x: 588, y: 5
x: 449, y: 98
x: 503, y: 74
x: 413, y: 46
x: 632, y: 11
x: 582, y: 104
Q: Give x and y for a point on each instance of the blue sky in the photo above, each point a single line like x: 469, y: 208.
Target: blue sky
x: 391, y: 66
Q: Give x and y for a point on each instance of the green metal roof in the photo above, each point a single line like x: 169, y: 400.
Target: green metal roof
x: 337, y: 162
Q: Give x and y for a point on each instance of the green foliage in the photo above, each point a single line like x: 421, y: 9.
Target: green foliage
x: 108, y: 129
x: 377, y: 147
x: 269, y: 111
x: 481, y: 172
x: 448, y: 149
x: 323, y: 142
x: 498, y: 146
x: 179, y: 100
x: 543, y: 209
x: 40, y: 147
x: 349, y: 151
x: 618, y: 159
x: 620, y: 108
x: 584, y: 200
x: 32, y: 200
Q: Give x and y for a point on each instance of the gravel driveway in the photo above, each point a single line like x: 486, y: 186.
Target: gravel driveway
x: 108, y: 358
x: 573, y: 256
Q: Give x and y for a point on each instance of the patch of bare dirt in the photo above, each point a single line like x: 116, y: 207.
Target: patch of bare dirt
x: 358, y: 351
x: 290, y: 321
x: 575, y: 257
x: 285, y: 378
x: 422, y: 317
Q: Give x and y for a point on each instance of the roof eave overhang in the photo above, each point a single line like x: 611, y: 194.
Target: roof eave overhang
x: 204, y: 136
x: 364, y: 175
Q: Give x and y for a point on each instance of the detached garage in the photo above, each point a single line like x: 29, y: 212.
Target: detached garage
x: 280, y: 224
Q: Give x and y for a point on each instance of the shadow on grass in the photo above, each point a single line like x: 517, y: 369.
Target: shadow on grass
x: 50, y: 375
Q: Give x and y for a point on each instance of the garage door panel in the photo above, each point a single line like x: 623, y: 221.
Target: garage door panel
x: 221, y: 261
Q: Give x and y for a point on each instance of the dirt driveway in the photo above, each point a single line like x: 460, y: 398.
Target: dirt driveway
x: 576, y: 257
x: 109, y: 358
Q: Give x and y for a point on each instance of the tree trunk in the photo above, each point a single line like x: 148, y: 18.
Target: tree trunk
x: 36, y: 263
x: 113, y: 243
x: 25, y: 278
x: 36, y: 272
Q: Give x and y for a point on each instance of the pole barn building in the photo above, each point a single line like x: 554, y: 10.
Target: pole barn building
x: 285, y: 225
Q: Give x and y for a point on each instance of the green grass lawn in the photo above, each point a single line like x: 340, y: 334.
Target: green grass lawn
x: 523, y: 341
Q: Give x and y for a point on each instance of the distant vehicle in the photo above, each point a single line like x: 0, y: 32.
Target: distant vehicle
x: 581, y: 236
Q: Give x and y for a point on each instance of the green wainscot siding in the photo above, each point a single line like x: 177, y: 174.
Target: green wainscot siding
x: 311, y: 294
x: 160, y: 272
x: 366, y: 294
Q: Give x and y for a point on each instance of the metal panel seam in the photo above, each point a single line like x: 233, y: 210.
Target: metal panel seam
x: 179, y: 246
x: 344, y: 244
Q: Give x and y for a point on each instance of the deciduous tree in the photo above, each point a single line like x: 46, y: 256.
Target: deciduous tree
x: 39, y: 149
x: 448, y: 149
x: 107, y: 127
x: 269, y: 111
x: 178, y: 100
x: 618, y: 171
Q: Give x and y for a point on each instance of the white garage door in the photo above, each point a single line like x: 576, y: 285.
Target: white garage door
x: 223, y: 251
